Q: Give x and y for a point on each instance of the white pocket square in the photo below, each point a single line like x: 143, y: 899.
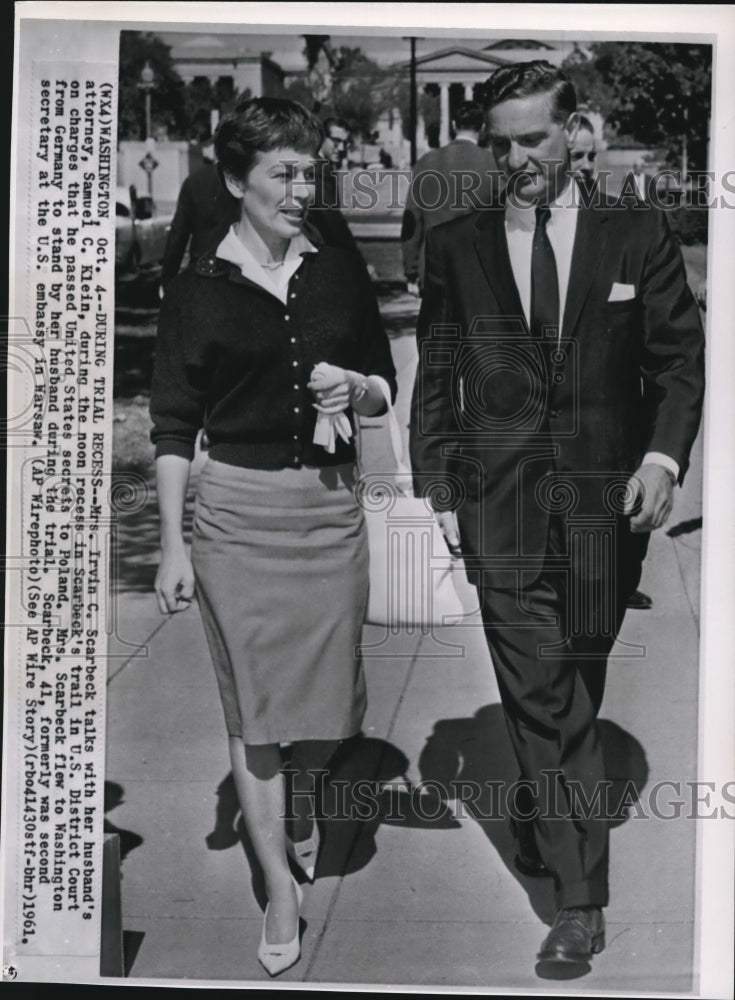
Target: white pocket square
x: 620, y: 293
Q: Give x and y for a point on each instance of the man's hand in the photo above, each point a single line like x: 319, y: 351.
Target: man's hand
x: 447, y: 520
x: 651, y: 496
x: 412, y: 287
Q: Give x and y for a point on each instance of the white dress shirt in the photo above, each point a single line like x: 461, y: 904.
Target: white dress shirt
x: 520, y: 225
x: 248, y: 251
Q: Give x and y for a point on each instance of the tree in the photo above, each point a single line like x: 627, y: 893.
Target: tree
x: 167, y: 98
x: 657, y: 93
x: 321, y: 66
x: 347, y: 84
x: 178, y: 110
x: 591, y: 88
x: 201, y: 98
x: 359, y: 90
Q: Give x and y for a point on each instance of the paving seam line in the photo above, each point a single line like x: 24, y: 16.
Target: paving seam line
x: 694, y: 612
x: 149, y: 638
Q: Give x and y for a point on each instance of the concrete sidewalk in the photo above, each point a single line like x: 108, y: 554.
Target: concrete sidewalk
x: 402, y: 898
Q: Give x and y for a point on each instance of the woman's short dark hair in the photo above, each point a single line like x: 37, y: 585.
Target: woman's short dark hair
x: 260, y: 125
x: 525, y: 79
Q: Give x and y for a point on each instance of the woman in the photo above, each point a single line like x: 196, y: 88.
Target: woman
x: 263, y: 343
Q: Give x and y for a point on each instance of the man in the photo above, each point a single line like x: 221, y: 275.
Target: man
x: 205, y: 210
x: 558, y: 394
x: 641, y: 180
x: 336, y: 140
x: 446, y: 182
x: 583, y: 154
x: 325, y: 215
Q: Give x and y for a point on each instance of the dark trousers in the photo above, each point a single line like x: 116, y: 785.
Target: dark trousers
x: 549, y: 641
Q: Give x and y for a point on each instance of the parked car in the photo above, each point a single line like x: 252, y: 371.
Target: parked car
x: 140, y: 234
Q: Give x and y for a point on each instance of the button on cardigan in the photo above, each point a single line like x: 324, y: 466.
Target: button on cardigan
x: 233, y: 359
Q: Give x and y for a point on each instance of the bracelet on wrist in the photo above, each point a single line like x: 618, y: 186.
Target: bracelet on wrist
x: 360, y: 390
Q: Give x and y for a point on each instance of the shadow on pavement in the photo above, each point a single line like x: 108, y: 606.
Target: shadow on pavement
x: 562, y: 971
x: 477, y: 751
x: 367, y: 786
x: 114, y: 796
x: 360, y: 793
x: 685, y: 527
x: 132, y: 940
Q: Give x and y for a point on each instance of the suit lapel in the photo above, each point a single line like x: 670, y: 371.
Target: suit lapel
x: 588, y: 251
x: 491, y: 246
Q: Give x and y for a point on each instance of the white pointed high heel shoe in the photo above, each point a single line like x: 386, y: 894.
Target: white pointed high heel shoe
x: 276, y: 958
x: 304, y: 853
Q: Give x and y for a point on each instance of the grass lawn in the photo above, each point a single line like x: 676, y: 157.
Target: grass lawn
x: 132, y: 450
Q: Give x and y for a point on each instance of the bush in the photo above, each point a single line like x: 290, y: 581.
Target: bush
x: 689, y: 225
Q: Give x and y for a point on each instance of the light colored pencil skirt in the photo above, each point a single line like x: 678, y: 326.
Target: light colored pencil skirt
x: 281, y: 565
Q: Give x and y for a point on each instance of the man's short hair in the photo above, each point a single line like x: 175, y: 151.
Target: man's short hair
x: 338, y: 122
x: 528, y: 78
x: 469, y: 117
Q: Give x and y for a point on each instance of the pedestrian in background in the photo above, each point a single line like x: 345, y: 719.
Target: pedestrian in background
x: 336, y: 141
x: 446, y: 182
x: 205, y: 210
x: 263, y: 343
x: 641, y: 181
x: 325, y: 213
x: 583, y: 151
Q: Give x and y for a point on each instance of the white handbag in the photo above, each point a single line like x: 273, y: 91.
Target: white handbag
x: 415, y: 582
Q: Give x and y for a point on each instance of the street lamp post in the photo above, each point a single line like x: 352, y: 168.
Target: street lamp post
x: 412, y: 109
x: 413, y: 101
x: 146, y: 84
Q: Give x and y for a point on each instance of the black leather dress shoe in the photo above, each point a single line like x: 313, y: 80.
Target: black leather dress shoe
x: 527, y: 860
x: 578, y: 933
x: 639, y: 601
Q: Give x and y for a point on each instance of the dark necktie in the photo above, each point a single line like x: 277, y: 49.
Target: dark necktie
x: 544, y: 283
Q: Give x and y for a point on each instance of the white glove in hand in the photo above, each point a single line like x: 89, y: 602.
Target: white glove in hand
x: 331, y: 387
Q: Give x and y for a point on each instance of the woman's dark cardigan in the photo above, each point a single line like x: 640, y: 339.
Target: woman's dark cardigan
x: 232, y: 358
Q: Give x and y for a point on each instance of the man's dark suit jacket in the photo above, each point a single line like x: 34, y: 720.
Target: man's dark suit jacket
x: 205, y: 210
x: 471, y: 182
x: 517, y: 431
x: 324, y: 214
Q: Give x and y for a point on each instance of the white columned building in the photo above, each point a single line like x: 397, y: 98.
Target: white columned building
x: 451, y: 74
x: 226, y: 57
x: 454, y: 74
